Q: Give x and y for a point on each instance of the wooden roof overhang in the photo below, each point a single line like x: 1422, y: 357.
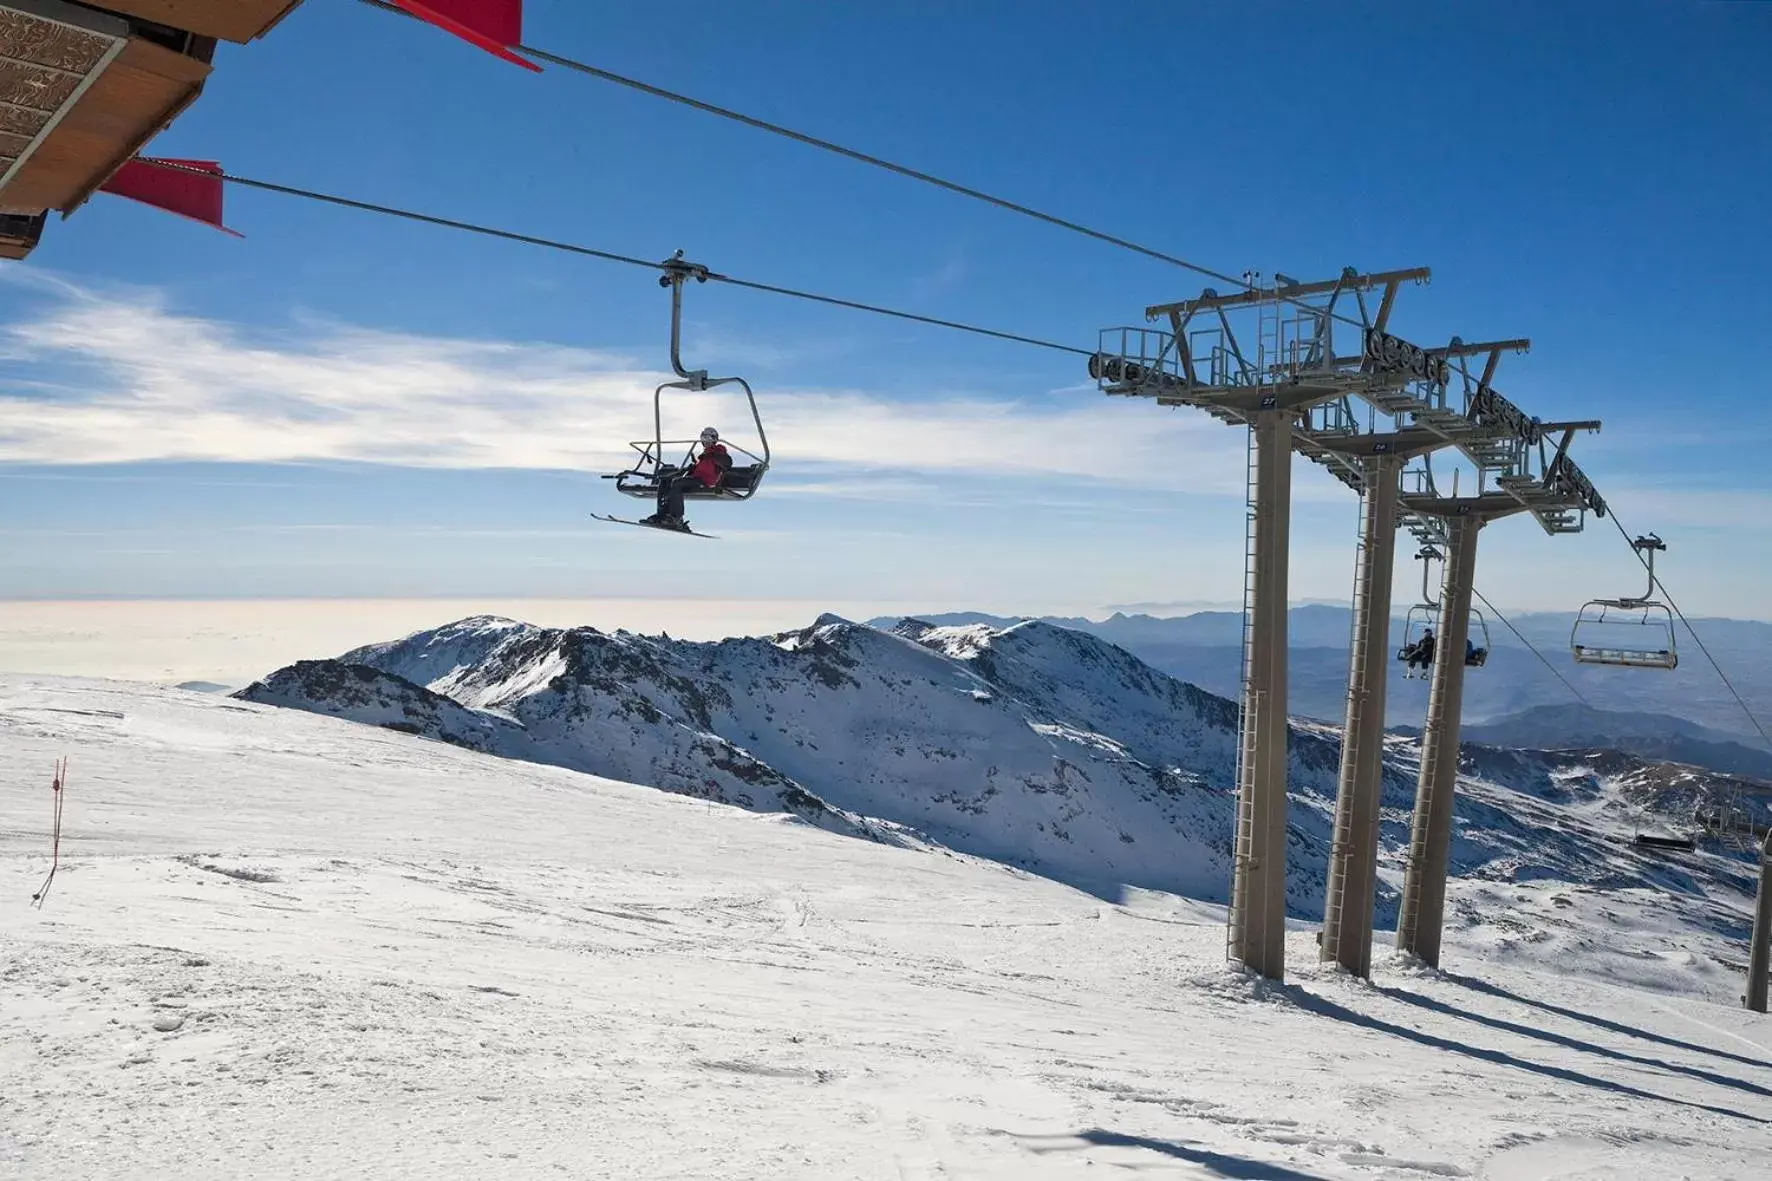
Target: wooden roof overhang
x: 83, y: 88
x: 238, y: 21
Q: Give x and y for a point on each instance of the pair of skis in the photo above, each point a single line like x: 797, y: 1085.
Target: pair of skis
x: 656, y: 528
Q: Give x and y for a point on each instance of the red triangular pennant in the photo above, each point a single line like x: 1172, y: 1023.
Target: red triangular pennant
x: 493, y: 25
x: 182, y: 192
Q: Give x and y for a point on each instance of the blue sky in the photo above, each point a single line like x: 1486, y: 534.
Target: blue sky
x: 345, y: 405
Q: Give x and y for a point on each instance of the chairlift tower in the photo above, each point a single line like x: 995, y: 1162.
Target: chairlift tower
x: 1266, y: 359
x: 1287, y: 383
x: 1404, y: 420
x: 1444, y: 403
x: 1519, y: 470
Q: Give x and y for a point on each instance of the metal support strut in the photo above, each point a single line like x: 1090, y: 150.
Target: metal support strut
x: 1430, y: 838
x: 1353, y: 862
x: 1258, y: 889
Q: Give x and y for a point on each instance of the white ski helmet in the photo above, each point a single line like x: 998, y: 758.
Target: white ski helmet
x: 709, y: 435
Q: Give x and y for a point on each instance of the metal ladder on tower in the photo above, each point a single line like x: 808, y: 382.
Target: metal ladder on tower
x: 1248, y: 713
x: 1270, y: 343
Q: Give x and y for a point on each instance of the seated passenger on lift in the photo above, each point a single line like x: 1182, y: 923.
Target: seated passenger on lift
x: 1421, y: 653
x: 710, y: 467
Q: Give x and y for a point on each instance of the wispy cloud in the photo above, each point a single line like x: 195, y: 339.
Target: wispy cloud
x: 947, y: 276
x: 103, y: 378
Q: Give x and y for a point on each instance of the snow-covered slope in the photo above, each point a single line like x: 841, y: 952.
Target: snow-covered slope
x: 285, y: 945
x: 1035, y: 745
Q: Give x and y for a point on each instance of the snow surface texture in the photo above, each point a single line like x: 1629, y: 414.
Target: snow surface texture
x: 289, y: 946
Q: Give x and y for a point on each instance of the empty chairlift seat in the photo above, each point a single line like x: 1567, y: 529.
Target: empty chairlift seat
x: 1635, y: 632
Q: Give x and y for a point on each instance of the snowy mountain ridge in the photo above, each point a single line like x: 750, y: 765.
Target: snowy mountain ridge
x: 1033, y: 745
x: 960, y: 736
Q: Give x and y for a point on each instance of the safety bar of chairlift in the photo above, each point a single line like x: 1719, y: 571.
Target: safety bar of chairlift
x: 646, y: 449
x: 649, y: 456
x: 648, y: 481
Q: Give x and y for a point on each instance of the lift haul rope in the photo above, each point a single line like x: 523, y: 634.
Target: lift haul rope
x: 1542, y: 658
x: 876, y: 161
x: 607, y: 255
x: 57, y: 786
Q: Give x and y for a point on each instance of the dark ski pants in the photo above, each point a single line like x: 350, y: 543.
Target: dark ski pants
x: 670, y: 494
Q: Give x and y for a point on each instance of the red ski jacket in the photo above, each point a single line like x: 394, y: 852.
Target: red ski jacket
x: 712, y: 465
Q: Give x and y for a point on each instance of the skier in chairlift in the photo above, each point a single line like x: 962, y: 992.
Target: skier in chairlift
x: 1421, y: 653
x: 709, y: 469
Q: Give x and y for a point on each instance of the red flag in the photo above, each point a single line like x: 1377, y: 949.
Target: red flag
x: 182, y: 192
x: 493, y: 25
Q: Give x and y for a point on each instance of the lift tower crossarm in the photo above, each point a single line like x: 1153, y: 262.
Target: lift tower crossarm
x: 1404, y: 443
x: 1489, y: 506
x: 1518, y: 345
x: 1287, y: 291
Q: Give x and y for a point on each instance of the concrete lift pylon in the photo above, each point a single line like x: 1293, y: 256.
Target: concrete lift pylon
x: 1292, y: 390
x: 1420, y: 922
x: 1533, y: 478
x: 1274, y: 384
x: 1495, y: 436
x: 1353, y: 860
x: 1528, y: 476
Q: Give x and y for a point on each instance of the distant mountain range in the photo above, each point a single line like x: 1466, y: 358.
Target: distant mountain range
x: 1042, y: 747
x: 1653, y: 736
x: 1205, y: 648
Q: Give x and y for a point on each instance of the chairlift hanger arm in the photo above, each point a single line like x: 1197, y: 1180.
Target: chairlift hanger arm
x: 1427, y: 556
x: 675, y: 273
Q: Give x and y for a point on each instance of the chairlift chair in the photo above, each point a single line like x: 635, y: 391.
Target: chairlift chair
x: 1592, y: 640
x: 651, y: 467
x: 1421, y: 614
